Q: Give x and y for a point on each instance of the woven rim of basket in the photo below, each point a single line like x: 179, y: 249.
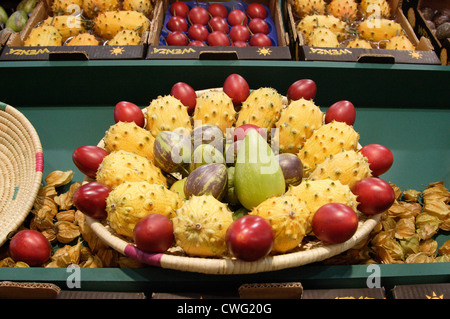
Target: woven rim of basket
x: 21, y: 169
x: 229, y: 265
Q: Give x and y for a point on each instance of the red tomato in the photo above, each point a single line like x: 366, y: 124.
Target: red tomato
x: 198, y: 15
x: 342, y: 111
x: 196, y: 43
x: 177, y: 38
x: 260, y: 40
x: 380, y: 158
x: 240, y: 44
x: 179, y: 8
x: 218, y: 39
x: 256, y: 10
x: 177, y: 23
x: 129, y: 112
x: 249, y: 238
x: 218, y: 10
x: 237, y: 88
x: 31, y: 247
x: 334, y: 223
x: 304, y: 88
x: 90, y: 199
x: 87, y: 158
x: 236, y: 17
x: 241, y: 131
x: 258, y: 25
x: 153, y: 233
x: 186, y: 94
x: 239, y: 33
x: 198, y: 32
x: 218, y: 24
x: 374, y: 195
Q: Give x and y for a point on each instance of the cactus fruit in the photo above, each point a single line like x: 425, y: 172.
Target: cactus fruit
x: 379, y: 29
x: 94, y: 7
x: 289, y: 218
x: 200, y: 226
x: 143, y: 6
x: 167, y: 113
x: 66, y: 6
x: 346, y: 10
x: 131, y: 201
x: 375, y: 8
x: 296, y: 124
x: 126, y: 37
x: 400, y: 42
x: 83, y: 39
x: 108, y: 24
x: 43, y: 35
x: 130, y: 137
x: 327, y: 140
x: 359, y: 44
x: 302, y: 8
x: 311, y: 22
x: 348, y: 167
x: 317, y: 193
x: 215, y: 107
x: 121, y: 166
x: 67, y: 25
x: 262, y: 108
x: 323, y: 37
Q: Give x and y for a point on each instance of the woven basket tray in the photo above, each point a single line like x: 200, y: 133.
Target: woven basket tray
x: 21, y: 169
x: 175, y: 259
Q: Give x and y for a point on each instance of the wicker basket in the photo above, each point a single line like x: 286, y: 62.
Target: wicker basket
x: 223, y: 266
x: 21, y: 169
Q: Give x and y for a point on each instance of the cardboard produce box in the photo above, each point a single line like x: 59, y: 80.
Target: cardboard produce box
x: 423, y: 53
x: 16, y: 50
x: 420, y: 13
x: 158, y: 48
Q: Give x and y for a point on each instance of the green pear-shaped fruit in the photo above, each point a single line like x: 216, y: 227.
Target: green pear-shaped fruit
x: 3, y: 15
x: 258, y: 174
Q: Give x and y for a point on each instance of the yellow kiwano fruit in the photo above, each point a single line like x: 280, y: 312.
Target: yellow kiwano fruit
x: 131, y: 201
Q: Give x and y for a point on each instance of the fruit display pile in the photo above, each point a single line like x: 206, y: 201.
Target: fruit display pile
x: 438, y: 21
x: 233, y: 173
x: 93, y: 22
x: 14, y: 19
x: 368, y: 24
x: 234, y: 23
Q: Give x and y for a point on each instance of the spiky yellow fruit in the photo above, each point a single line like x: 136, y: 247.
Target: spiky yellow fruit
x: 131, y: 201
x: 144, y: 6
x: 121, y: 166
x: 130, y: 137
x: 66, y: 6
x: 307, y: 25
x: 94, y: 7
x: 126, y: 37
x: 296, y: 124
x: 375, y: 8
x: 346, y: 10
x: 262, y: 108
x: 317, y: 193
x: 302, y: 8
x: 43, y: 35
x: 67, y: 25
x: 167, y: 113
x: 83, y: 39
x: 379, y: 29
x: 359, y: 44
x: 215, y: 107
x: 323, y: 37
x: 108, y: 24
x: 288, y: 216
x: 400, y: 42
x: 327, y: 140
x: 348, y: 167
x: 200, y: 226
